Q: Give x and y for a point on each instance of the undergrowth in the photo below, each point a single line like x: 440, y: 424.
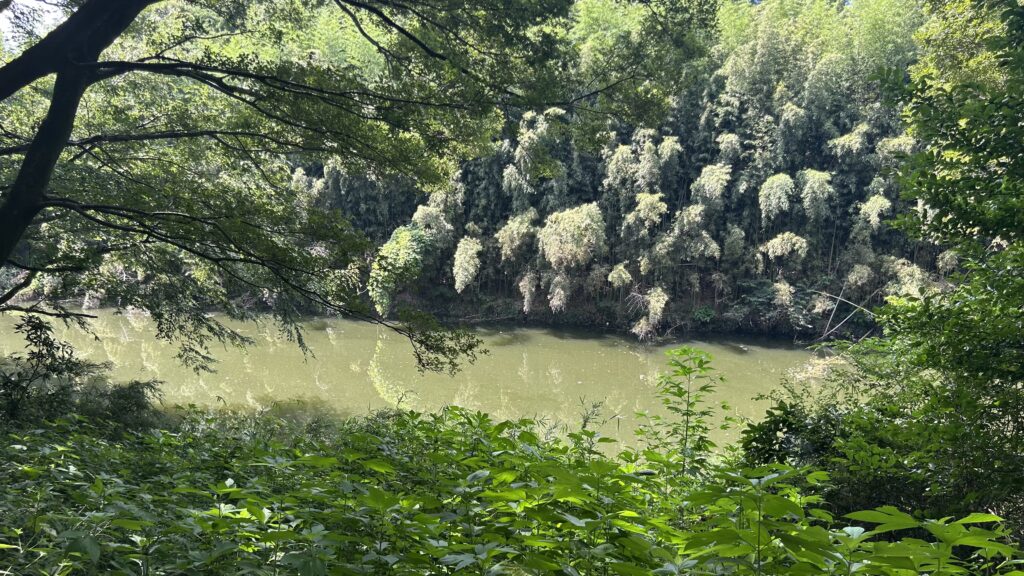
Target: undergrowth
x: 451, y: 492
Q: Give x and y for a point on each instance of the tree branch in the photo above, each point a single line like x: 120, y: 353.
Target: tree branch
x: 35, y: 309
x: 17, y: 288
x: 164, y: 135
x: 89, y: 30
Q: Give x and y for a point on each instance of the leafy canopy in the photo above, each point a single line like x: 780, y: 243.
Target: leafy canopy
x: 148, y: 147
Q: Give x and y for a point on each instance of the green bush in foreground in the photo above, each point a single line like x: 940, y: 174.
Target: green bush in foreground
x: 452, y: 492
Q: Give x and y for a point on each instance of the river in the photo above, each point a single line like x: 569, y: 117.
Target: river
x: 530, y: 372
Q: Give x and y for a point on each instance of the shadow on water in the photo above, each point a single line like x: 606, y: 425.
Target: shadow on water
x: 739, y: 343
x: 306, y: 407
x: 317, y: 324
x: 299, y: 409
x: 508, y: 335
x: 511, y: 337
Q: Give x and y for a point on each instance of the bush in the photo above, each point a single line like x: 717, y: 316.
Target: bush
x: 452, y: 492
x: 704, y: 315
x: 48, y: 381
x: 890, y: 433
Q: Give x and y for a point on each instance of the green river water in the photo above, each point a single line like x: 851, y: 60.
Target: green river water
x: 529, y: 372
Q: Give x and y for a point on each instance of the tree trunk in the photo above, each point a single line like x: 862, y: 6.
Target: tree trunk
x: 67, y: 51
x: 24, y: 199
x: 79, y: 39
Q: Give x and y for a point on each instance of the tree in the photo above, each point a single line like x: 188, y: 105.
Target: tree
x: 649, y: 211
x: 774, y: 197
x: 467, y: 262
x: 654, y: 302
x: 572, y: 238
x: 514, y: 184
x: 729, y: 148
x: 569, y: 240
x: 816, y: 194
x: 786, y: 246
x: 559, y: 291
x: 398, y: 262
x: 782, y: 79
x: 620, y: 277
x: 515, y: 233
x: 873, y: 209
x: 162, y: 154
x: 620, y: 177
x: 648, y: 169
x: 528, y: 288
x: 688, y: 240
x: 709, y: 188
x: 965, y: 345
x: 433, y: 223
x: 937, y: 400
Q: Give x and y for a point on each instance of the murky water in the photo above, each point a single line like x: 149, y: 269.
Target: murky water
x: 530, y: 372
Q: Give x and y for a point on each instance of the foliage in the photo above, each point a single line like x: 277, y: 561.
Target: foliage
x: 873, y: 209
x: 816, y: 193
x: 515, y: 233
x: 50, y: 381
x: 178, y: 157
x: 709, y: 188
x: 689, y: 196
x: 774, y: 197
x: 558, y: 292
x: 619, y: 277
x: 931, y: 412
x: 572, y: 238
x: 47, y: 359
x: 654, y: 303
x: 452, y: 492
x: 650, y: 208
x: 156, y: 172
x: 397, y: 263
x: 785, y: 245
x: 969, y: 172
x: 527, y: 288
x: 467, y: 262
x: 682, y: 437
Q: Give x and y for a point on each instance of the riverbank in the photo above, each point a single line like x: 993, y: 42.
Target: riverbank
x: 757, y: 318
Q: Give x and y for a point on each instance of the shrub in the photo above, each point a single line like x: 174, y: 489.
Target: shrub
x: 49, y: 381
x: 451, y: 492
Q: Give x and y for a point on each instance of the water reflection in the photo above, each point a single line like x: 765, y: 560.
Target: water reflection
x: 357, y: 367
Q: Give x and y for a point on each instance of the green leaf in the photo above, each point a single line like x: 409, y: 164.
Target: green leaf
x: 538, y: 562
x: 629, y: 569
x: 377, y: 498
x: 978, y: 518
x: 378, y: 465
x: 888, y: 517
x: 574, y: 520
x: 129, y: 524
x: 778, y: 506
x: 539, y: 542
x: 86, y: 546
x: 318, y: 461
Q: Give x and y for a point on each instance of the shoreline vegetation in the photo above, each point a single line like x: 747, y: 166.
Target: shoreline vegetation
x: 398, y: 492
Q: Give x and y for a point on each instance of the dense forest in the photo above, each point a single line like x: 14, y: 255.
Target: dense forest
x: 762, y: 190
x: 832, y: 170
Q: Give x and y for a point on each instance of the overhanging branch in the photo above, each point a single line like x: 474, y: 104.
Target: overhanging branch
x: 166, y: 135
